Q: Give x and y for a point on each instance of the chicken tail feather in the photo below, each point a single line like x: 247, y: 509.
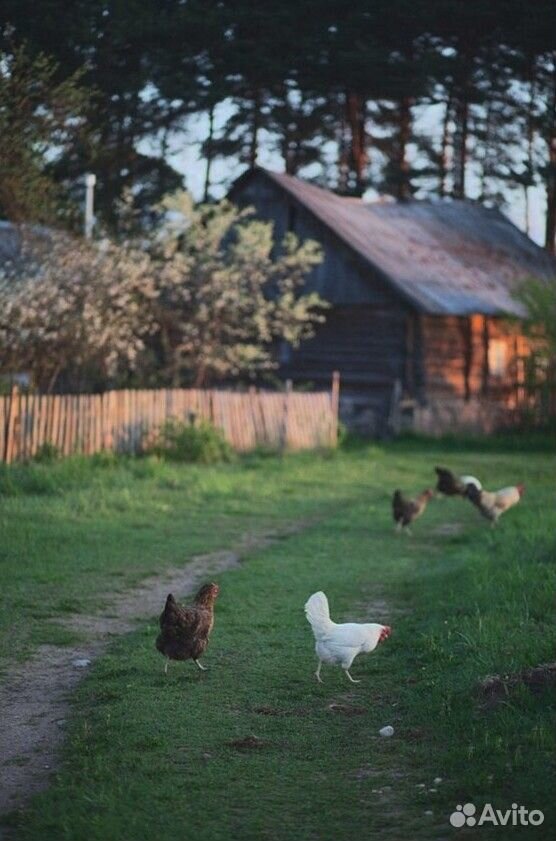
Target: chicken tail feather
x: 318, y: 613
x: 169, y: 609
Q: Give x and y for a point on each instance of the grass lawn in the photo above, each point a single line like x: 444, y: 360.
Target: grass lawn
x: 149, y: 757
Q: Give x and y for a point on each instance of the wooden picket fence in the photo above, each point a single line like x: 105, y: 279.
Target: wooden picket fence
x: 127, y: 421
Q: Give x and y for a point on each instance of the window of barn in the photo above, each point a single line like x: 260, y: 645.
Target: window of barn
x: 497, y: 362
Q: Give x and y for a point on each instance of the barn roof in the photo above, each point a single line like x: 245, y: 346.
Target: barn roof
x: 451, y: 256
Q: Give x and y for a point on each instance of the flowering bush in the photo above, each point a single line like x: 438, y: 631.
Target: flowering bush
x: 69, y: 307
x: 203, y: 297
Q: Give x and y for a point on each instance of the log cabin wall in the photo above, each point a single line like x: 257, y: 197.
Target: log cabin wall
x: 364, y: 343
x: 340, y: 278
x: 472, y: 373
x: 365, y: 333
x: 443, y: 372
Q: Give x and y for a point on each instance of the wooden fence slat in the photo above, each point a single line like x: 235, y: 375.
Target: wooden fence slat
x: 11, y: 424
x: 3, y: 419
x: 54, y: 421
x: 128, y: 420
x: 45, y: 418
x: 67, y: 415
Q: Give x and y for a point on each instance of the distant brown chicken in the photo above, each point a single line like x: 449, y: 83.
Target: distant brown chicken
x: 407, y: 510
x: 185, y: 631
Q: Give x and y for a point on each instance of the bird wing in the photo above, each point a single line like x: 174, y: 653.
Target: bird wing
x: 348, y: 635
x: 344, y: 642
x: 181, y: 621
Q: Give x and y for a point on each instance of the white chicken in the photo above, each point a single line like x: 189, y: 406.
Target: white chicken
x: 492, y: 504
x: 340, y: 644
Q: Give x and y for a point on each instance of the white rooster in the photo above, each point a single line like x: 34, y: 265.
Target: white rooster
x: 492, y: 504
x: 340, y: 644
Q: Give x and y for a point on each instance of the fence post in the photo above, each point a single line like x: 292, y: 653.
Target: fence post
x: 335, y: 405
x: 285, y: 410
x: 211, y: 408
x: 13, y: 413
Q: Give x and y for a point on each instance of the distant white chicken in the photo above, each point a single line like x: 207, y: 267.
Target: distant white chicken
x: 492, y: 504
x: 340, y: 644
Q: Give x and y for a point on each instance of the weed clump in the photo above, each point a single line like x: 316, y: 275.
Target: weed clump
x: 200, y: 443
x: 47, y: 453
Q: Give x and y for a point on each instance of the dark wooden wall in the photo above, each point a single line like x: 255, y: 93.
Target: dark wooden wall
x: 341, y: 278
x: 456, y: 355
x: 371, y: 335
x: 364, y: 336
x: 364, y: 343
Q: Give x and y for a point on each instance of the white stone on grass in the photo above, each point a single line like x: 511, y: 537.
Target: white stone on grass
x: 386, y: 731
x: 81, y: 664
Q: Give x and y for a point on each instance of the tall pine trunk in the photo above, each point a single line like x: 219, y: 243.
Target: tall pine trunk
x: 290, y: 160
x: 550, y: 230
x: 255, y: 126
x: 209, y: 154
x: 462, y: 134
x: 530, y: 143
x: 343, y: 157
x: 403, y: 190
x: 445, y: 145
x: 355, y: 118
x: 461, y: 139
x: 484, y: 155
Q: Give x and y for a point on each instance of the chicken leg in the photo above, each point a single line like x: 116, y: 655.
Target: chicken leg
x: 317, y: 673
x: 350, y: 677
x: 202, y: 668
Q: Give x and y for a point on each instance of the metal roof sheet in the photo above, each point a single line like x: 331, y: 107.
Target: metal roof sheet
x: 447, y: 257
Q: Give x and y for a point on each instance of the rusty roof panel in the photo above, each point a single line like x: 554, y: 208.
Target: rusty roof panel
x: 451, y: 256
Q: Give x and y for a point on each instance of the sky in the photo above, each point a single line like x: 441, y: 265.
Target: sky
x: 184, y: 155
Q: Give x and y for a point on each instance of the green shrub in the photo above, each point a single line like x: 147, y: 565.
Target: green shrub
x: 47, y: 453
x: 201, y: 443
x: 28, y: 480
x: 104, y: 458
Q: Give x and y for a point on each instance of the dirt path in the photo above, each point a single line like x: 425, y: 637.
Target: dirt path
x: 34, y: 702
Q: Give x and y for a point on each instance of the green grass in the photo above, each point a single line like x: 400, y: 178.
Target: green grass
x: 149, y: 757
x: 74, y: 530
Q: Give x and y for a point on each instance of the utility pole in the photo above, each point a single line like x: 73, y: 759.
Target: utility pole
x: 90, y: 181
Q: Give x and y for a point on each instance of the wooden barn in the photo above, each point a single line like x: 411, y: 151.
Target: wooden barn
x: 420, y: 295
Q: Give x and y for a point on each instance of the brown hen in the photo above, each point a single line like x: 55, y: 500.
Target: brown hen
x: 405, y: 510
x: 185, y: 631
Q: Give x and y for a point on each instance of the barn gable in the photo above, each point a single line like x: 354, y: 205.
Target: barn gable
x: 342, y: 277
x: 419, y: 294
x: 367, y: 320
x: 447, y: 257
